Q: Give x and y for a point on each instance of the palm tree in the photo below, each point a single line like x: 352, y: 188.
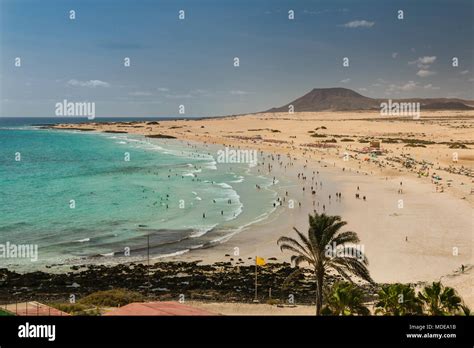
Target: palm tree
x: 398, y: 299
x: 345, y: 299
x: 440, y: 300
x: 326, y: 248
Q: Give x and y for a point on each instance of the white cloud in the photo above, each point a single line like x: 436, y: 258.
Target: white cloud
x: 202, y: 93
x: 345, y: 81
x: 425, y: 73
x: 430, y: 86
x: 394, y: 55
x: 427, y: 60
x: 464, y: 72
x: 163, y: 89
x: 380, y: 82
x: 238, y: 92
x: 90, y: 83
x: 314, y: 12
x: 178, y: 96
x: 140, y: 94
x: 409, y: 86
x: 359, y: 24
x: 424, y: 62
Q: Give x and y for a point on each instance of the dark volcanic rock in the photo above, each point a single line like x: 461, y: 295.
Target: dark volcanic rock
x: 165, y: 280
x: 160, y: 136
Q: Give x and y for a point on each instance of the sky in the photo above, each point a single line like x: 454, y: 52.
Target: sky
x: 190, y: 61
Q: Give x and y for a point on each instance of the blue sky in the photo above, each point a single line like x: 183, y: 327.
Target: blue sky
x: 190, y: 61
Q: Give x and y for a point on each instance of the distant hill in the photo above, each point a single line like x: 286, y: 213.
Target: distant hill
x: 447, y: 106
x: 343, y: 99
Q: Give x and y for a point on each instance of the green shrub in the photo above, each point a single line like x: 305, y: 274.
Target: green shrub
x: 5, y: 313
x: 457, y: 146
x: 415, y: 145
x: 112, y: 298
x: 76, y: 309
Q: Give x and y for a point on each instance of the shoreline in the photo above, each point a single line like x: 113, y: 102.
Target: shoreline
x: 400, y: 247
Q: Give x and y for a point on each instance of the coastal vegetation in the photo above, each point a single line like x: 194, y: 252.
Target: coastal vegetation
x: 345, y: 298
x: 325, y: 248
x: 441, y: 300
x: 112, y: 298
x: 398, y: 299
x: 92, y: 303
x: 5, y: 313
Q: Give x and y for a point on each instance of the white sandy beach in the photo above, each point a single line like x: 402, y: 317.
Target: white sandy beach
x: 428, y: 239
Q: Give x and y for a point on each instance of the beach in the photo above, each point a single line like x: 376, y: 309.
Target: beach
x: 424, y: 238
x: 274, y: 165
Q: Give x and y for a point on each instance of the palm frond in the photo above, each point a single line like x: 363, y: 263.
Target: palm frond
x: 345, y: 237
x: 299, y: 259
x: 287, y: 243
x: 332, y: 229
x: 309, y: 246
x: 292, y: 276
x: 352, y: 265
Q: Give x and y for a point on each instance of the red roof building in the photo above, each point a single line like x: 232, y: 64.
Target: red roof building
x: 157, y: 308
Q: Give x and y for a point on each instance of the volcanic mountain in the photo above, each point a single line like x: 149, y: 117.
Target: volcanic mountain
x: 343, y: 99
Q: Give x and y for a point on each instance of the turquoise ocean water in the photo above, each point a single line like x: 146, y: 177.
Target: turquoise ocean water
x: 158, y: 197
